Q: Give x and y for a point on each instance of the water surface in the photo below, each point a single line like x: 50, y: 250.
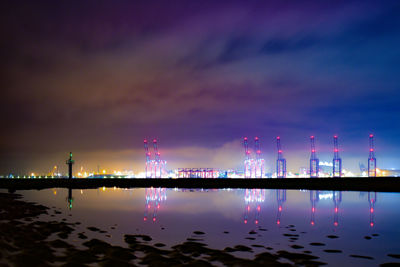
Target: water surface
x: 339, y: 227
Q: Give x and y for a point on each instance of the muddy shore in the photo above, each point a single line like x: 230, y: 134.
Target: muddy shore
x: 27, y: 240
x: 32, y: 236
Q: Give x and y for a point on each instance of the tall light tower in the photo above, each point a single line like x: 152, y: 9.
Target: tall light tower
x: 259, y: 163
x: 371, y: 158
x: 281, y: 161
x: 70, y: 162
x: 314, y: 161
x: 337, y: 161
x: 149, y: 163
x: 247, y: 162
x: 157, y: 163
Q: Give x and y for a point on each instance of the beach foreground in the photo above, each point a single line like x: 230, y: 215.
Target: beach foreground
x: 27, y: 240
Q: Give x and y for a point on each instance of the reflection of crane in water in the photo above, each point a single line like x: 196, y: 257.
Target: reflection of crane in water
x: 280, y: 199
x: 314, y: 198
x: 337, y: 199
x: 154, y: 197
x: 372, y: 198
x: 253, y: 198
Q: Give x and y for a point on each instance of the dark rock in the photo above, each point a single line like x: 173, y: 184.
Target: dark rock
x: 198, y: 233
x: 332, y: 251
x: 332, y: 236
x: 296, y: 246
x: 362, y: 257
x: 93, y: 229
x: 316, y: 244
x: 396, y: 256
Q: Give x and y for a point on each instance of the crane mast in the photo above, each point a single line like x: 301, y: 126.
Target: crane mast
x: 337, y: 161
x: 371, y: 158
x: 259, y: 162
x: 314, y: 161
x: 281, y: 161
x: 247, y: 162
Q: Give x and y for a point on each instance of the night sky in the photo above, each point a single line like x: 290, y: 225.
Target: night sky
x: 97, y: 77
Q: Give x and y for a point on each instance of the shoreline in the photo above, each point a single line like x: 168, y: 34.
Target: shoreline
x: 377, y: 184
x: 35, y: 241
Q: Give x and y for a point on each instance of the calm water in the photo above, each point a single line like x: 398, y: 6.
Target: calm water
x: 366, y: 224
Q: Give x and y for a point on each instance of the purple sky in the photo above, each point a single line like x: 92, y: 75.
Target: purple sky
x: 97, y: 77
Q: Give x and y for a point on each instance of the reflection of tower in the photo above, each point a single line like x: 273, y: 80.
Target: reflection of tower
x: 372, y: 198
x: 371, y: 158
x: 280, y: 162
x: 69, y: 198
x: 253, y: 198
x: 337, y: 199
x: 154, y: 197
x: 280, y: 199
x: 314, y: 197
x: 337, y: 161
x: 314, y: 161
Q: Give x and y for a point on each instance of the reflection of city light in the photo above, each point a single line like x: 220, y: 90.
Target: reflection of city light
x: 325, y: 195
x: 254, y: 195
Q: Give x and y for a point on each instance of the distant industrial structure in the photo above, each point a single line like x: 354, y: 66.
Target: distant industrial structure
x: 197, y: 173
x: 253, y: 168
x: 371, y: 158
x: 314, y: 161
x: 337, y: 161
x: 281, y: 161
x: 155, y: 168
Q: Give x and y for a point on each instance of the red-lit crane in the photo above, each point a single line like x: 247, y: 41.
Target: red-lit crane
x: 371, y: 158
x: 149, y: 162
x: 337, y: 161
x: 281, y: 161
x: 248, y: 163
x: 259, y: 162
x: 314, y: 161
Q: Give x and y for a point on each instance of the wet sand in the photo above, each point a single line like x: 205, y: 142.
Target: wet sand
x: 27, y: 240
x: 381, y: 184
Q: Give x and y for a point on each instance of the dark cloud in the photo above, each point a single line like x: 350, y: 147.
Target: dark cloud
x: 99, y: 76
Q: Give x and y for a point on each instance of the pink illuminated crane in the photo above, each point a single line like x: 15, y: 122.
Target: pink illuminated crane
x: 371, y: 158
x: 281, y: 161
x: 314, y: 161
